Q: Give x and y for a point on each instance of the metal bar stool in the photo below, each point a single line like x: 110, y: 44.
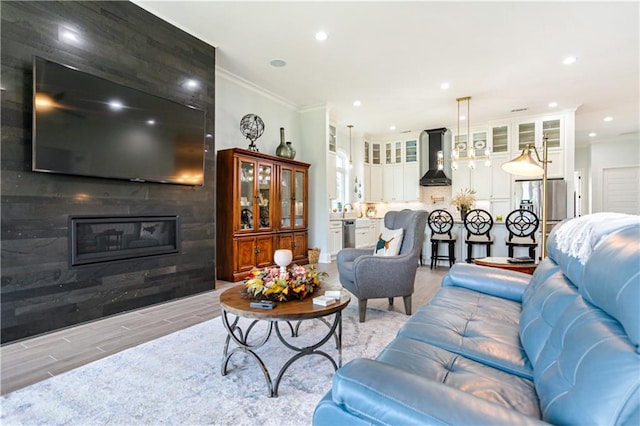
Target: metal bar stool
x: 441, y: 222
x: 478, y: 224
x: 522, y: 225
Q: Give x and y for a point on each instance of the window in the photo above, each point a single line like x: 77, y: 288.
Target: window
x: 342, y: 178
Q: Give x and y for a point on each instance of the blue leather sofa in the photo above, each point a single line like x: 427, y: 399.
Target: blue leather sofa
x: 500, y: 347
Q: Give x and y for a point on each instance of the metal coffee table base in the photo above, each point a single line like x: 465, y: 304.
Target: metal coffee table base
x: 240, y: 338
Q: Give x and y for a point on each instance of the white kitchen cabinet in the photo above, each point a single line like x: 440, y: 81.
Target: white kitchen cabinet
x: 375, y: 189
x: 365, y: 229
x: 335, y: 237
x: 393, y: 183
x: 500, y: 180
x: 411, y: 182
x: 555, y: 168
x: 480, y: 179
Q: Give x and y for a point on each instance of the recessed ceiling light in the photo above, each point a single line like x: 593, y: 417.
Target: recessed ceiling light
x: 151, y: 122
x: 608, y: 118
x: 321, y: 36
x: 553, y: 104
x: 278, y: 63
x: 357, y: 103
x: 463, y: 117
x: 569, y: 60
x: 593, y: 134
x: 445, y: 86
x: 392, y: 128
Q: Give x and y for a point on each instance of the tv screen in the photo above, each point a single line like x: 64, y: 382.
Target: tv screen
x: 86, y: 125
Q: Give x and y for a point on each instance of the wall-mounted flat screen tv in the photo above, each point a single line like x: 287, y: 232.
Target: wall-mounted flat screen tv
x: 86, y: 125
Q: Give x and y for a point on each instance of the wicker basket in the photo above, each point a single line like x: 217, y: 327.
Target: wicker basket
x: 314, y: 255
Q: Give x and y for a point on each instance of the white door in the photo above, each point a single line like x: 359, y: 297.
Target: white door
x: 621, y: 192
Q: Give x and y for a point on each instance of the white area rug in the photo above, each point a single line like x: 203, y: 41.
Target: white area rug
x: 176, y: 380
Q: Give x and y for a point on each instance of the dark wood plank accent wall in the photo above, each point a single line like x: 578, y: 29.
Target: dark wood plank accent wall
x: 123, y: 43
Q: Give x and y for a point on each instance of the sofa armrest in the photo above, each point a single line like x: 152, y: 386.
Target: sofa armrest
x: 350, y: 254
x: 493, y: 281
x: 383, y: 394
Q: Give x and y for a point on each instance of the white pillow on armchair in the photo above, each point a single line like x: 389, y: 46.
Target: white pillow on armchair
x: 389, y: 242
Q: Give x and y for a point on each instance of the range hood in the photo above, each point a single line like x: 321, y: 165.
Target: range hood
x: 432, y: 141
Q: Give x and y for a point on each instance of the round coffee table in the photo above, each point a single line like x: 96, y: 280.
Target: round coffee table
x: 234, y: 303
x: 503, y: 263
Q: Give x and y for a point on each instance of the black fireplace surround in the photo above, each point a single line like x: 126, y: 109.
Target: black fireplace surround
x: 98, y: 239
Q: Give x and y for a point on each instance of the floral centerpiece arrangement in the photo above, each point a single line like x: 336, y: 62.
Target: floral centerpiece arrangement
x: 464, y: 200
x: 295, y: 284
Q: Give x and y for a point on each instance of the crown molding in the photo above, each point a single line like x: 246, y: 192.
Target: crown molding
x: 243, y: 82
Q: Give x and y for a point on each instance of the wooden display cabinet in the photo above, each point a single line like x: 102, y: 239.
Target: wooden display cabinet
x: 262, y: 205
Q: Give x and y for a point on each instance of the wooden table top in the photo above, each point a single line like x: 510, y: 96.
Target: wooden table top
x: 502, y: 263
x: 235, y: 301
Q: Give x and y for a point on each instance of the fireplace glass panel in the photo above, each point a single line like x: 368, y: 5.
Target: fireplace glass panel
x: 105, y: 239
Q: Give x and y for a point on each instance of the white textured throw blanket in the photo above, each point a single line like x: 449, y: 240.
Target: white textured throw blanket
x: 580, y: 236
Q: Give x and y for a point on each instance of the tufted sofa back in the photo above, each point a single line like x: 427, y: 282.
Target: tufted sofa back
x: 549, y: 293
x: 588, y: 370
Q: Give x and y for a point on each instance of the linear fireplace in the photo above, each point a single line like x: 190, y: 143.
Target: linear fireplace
x: 97, y: 239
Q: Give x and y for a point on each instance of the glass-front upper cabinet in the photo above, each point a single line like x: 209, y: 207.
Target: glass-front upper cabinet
x: 293, y: 182
x: 551, y: 128
x: 500, y: 138
x: 388, y: 156
x: 526, y: 135
x: 533, y: 131
x: 375, y: 153
x: 332, y: 138
x: 367, y: 158
x: 255, y: 195
x: 411, y: 151
x: 397, y: 152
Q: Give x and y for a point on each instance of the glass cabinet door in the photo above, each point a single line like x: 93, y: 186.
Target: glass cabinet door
x: 286, y: 183
x: 387, y: 153
x: 526, y: 135
x: 366, y: 152
x: 264, y: 195
x: 551, y: 128
x: 397, y: 150
x: 299, y: 200
x: 375, y: 153
x: 247, y: 185
x: 411, y: 151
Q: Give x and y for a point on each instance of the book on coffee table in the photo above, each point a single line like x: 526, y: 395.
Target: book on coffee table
x: 520, y: 260
x: 323, y: 300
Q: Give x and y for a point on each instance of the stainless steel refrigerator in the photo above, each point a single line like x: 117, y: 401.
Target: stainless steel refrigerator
x: 528, y: 195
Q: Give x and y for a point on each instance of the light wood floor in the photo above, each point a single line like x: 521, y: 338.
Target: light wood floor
x: 32, y: 360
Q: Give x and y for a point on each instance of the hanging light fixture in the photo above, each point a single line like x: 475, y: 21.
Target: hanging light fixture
x: 469, y: 146
x: 350, y: 126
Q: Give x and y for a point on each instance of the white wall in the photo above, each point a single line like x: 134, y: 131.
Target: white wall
x: 621, y: 153
x: 315, y: 123
x: 583, y: 165
x: 235, y: 98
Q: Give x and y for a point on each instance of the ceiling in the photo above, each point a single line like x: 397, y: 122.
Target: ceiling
x: 393, y: 57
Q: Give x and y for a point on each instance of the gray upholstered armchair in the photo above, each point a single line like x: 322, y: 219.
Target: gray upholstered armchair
x: 372, y: 277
